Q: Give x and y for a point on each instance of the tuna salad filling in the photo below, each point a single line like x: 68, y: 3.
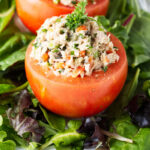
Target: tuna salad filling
x: 74, y: 53
x: 70, y: 3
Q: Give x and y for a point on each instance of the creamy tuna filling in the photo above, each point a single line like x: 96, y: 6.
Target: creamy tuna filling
x: 78, y: 52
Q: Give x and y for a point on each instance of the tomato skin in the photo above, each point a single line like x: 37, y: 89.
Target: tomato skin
x: 77, y: 97
x: 34, y: 12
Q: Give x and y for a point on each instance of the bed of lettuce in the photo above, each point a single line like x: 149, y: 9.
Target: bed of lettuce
x: 125, y: 125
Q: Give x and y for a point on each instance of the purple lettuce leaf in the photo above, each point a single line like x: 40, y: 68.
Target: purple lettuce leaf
x: 24, y: 125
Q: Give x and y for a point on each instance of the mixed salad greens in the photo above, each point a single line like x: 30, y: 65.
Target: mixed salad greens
x: 125, y: 125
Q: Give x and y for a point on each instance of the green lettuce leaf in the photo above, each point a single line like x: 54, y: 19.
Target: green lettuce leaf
x: 55, y: 122
x: 16, y: 56
x: 32, y: 146
x: 4, y: 88
x: 3, y: 135
x: 117, y: 29
x: 13, y: 45
x: 7, y: 10
x: 64, y: 138
x: 146, y: 87
x: 123, y: 126
x: 145, y: 70
x: 48, y: 130
x: 121, y: 9
x: 139, y: 40
x: 8, y: 144
x: 11, y: 88
x: 74, y: 124
x: 61, y: 135
x: 1, y: 120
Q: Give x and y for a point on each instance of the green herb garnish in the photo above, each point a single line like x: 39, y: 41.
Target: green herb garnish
x: 105, y: 68
x: 49, y: 64
x: 96, y: 54
x: 78, y: 17
x: 74, y: 2
x: 44, y: 30
x: 62, y: 31
x: 81, y: 35
x: 72, y: 52
x: 57, y: 46
x: 76, y: 46
x: 58, y: 20
x: 35, y: 45
x: 55, y: 51
x: 103, y: 23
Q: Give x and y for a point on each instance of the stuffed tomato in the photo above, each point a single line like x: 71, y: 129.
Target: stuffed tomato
x: 76, y: 69
x: 34, y: 12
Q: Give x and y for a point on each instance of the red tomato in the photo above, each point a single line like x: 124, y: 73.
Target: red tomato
x: 77, y: 97
x: 34, y: 12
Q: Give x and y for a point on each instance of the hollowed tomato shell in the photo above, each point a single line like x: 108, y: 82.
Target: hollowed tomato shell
x: 77, y: 97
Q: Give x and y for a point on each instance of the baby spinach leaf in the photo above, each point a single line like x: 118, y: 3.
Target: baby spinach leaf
x: 18, y: 139
x: 12, y: 47
x: 65, y: 138
x: 32, y: 146
x: 7, y: 33
x: 19, y: 88
x: 35, y: 102
x: 4, y: 88
x: 7, y: 11
x: 121, y: 9
x: 146, y: 85
x: 139, y: 59
x: 120, y: 32
x: 102, y: 21
x: 69, y: 138
x: 139, y: 40
x: 11, y: 88
x: 3, y: 109
x: 14, y: 57
x: 56, y: 122
x: 75, y: 146
x: 126, y: 128
x: 145, y: 70
x: 3, y: 135
x: 1, y: 120
x: 117, y: 29
x: 6, y: 145
x: 130, y: 88
x: 48, y: 130
x: 74, y: 124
